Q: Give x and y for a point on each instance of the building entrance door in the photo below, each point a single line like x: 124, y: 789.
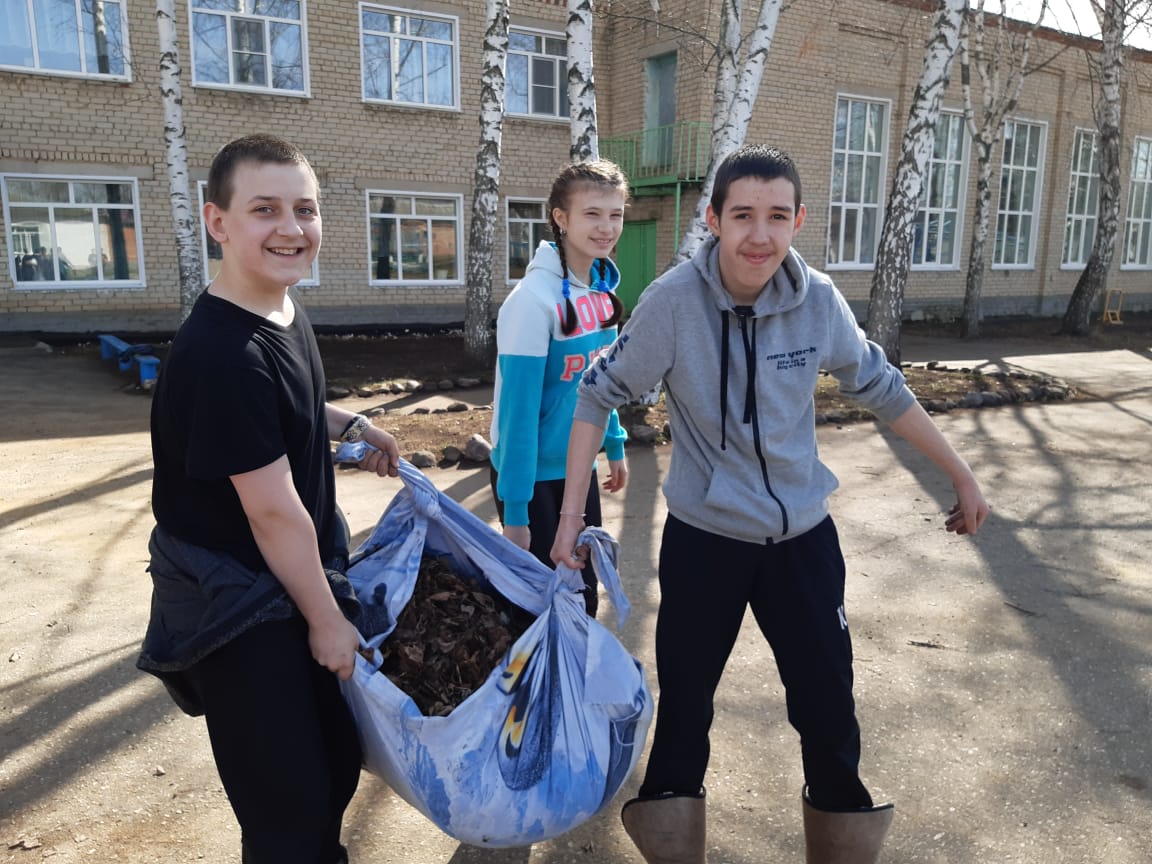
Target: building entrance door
x: 636, y: 257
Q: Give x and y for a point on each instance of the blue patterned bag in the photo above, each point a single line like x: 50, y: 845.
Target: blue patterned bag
x: 551, y: 735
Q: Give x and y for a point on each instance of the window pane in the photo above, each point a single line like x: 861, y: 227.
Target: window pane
x: 381, y: 22
x: 383, y: 250
x: 562, y: 77
x: 410, y: 75
x: 117, y: 234
x: 521, y: 41
x: 216, y: 5
x: 248, y: 52
x: 378, y: 203
x: 850, y: 228
x: 430, y: 28
x: 526, y: 209
x: 15, y: 36
x: 277, y: 8
x: 868, y: 236
x: 76, y: 239
x: 444, y: 250
x: 31, y: 242
x: 38, y: 191
x: 516, y: 85
x: 435, y: 207
x: 837, y: 191
x: 103, y: 44
x: 209, y: 45
x: 556, y: 47
x: 543, y: 86
x: 840, y: 135
x: 57, y: 35
x: 948, y: 240
x: 857, y: 125
x: 519, y: 248
x: 855, y: 179
x: 377, y: 67
x: 287, y: 57
x: 102, y: 193
x: 834, y: 239
x: 440, y: 77
x: 872, y: 179
x: 413, y: 249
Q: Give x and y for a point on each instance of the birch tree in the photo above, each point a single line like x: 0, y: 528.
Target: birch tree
x: 1001, y: 64
x: 1112, y: 16
x: 585, y: 139
x: 894, y: 255
x: 185, y: 217
x: 739, y: 71
x: 478, y: 341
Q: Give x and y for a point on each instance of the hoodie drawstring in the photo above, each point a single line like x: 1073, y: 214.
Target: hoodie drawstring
x: 743, y: 313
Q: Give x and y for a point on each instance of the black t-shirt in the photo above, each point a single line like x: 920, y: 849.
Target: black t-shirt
x: 236, y: 393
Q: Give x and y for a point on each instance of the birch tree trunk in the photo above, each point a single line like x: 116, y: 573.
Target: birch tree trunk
x: 185, y: 217
x: 894, y: 255
x: 478, y: 341
x: 1001, y: 68
x: 734, y: 97
x: 1094, y: 279
x: 585, y: 139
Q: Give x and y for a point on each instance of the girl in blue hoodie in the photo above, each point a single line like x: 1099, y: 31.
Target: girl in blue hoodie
x: 553, y: 324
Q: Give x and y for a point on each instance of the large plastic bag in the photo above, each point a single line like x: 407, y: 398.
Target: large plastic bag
x: 553, y: 732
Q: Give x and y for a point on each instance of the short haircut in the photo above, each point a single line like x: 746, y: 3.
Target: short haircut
x: 261, y: 149
x: 753, y: 160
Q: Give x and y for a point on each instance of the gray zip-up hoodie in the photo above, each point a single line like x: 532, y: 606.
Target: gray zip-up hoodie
x: 739, y: 383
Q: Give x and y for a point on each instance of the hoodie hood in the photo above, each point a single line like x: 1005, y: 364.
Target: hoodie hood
x: 548, y: 260
x: 785, y: 291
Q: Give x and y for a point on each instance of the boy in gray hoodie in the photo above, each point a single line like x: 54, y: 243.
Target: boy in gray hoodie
x: 738, y: 335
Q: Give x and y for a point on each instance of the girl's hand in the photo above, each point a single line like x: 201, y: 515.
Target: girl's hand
x: 564, y: 550
x: 617, y: 476
x: 521, y: 535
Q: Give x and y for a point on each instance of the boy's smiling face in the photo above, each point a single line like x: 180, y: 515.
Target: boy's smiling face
x: 755, y: 231
x: 270, y: 232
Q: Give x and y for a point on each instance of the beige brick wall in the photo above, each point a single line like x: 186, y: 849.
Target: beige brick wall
x: 873, y: 48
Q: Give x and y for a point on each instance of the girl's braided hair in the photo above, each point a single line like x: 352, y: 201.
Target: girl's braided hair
x: 599, y: 172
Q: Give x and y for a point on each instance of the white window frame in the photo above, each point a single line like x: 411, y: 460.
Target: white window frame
x: 560, y: 65
x: 451, y: 20
x: 1138, y: 220
x: 873, y: 160
x: 1019, y: 174
x: 457, y: 220
x: 509, y: 221
x: 202, y: 189
x: 954, y: 168
x: 267, y: 21
x: 82, y: 46
x: 1083, y: 201
x: 55, y: 244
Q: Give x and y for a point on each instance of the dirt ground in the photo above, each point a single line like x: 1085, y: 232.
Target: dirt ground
x: 1004, y: 682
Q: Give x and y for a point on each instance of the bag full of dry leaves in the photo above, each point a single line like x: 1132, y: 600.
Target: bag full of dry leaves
x: 488, y: 699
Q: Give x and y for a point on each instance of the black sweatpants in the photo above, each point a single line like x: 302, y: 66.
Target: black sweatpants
x: 796, y: 591
x: 284, y: 743
x: 544, y: 520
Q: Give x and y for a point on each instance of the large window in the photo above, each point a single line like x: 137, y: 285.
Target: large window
x: 211, y: 254
x: 858, y: 147
x: 76, y: 37
x: 1020, y: 173
x: 1138, y: 225
x: 1083, y: 199
x: 537, y: 80
x: 249, y: 44
x: 414, y: 237
x: 936, y: 231
x: 527, y: 225
x: 72, y: 232
x: 408, y: 58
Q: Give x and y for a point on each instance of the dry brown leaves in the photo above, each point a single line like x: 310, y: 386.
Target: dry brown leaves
x: 449, y: 638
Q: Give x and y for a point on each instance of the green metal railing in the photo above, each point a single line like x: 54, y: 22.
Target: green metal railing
x: 662, y: 155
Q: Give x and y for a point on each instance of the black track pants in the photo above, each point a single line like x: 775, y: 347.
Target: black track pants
x: 796, y: 592
x: 544, y: 520
x: 284, y: 743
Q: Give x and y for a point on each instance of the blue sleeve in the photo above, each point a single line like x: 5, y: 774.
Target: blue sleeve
x: 517, y: 432
x: 614, y: 438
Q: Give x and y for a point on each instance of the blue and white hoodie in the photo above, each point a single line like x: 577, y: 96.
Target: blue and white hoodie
x: 537, y: 371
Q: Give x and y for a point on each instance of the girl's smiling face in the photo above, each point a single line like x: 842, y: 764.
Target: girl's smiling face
x: 593, y: 221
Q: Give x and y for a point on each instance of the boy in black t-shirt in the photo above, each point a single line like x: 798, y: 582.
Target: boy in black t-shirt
x: 246, y: 627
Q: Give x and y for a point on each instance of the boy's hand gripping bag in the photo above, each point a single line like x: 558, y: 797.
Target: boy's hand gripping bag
x: 555, y: 729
